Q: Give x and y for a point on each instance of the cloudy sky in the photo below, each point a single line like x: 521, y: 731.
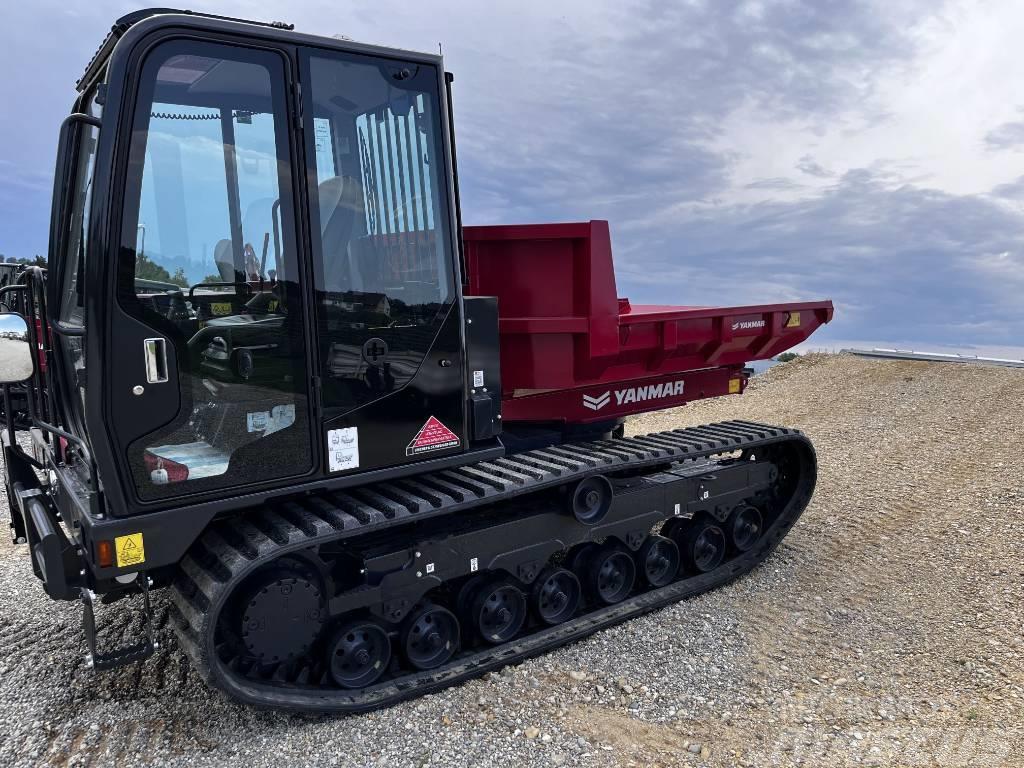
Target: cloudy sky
x: 743, y: 150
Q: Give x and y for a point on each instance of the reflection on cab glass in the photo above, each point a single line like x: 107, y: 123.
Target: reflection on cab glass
x: 384, y: 276
x: 213, y: 269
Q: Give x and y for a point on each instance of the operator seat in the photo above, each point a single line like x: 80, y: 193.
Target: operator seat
x: 223, y: 257
x: 341, y: 202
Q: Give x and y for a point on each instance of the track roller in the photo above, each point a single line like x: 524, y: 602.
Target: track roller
x: 744, y: 527
x: 497, y: 610
x: 591, y: 499
x: 609, y: 575
x: 703, y: 545
x: 576, y: 558
x: 658, y: 560
x: 358, y: 653
x: 556, y: 595
x: 429, y: 636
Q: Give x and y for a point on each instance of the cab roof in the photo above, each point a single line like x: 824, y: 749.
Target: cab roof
x: 99, y: 59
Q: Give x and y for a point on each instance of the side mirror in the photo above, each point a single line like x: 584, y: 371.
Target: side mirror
x: 16, y: 358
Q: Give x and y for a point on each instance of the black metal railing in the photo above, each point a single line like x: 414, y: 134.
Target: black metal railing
x: 28, y: 297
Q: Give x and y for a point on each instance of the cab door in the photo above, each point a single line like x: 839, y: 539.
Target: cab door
x: 208, y: 357
x: 388, y: 321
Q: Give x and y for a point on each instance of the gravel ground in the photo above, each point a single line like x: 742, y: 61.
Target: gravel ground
x: 886, y: 629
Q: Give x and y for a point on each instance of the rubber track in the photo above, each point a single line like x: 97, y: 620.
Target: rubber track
x: 231, y: 549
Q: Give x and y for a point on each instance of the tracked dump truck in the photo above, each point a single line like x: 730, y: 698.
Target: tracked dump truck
x: 367, y: 452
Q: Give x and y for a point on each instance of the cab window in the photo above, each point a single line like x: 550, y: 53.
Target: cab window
x: 382, y: 254
x: 76, y: 239
x: 209, y: 262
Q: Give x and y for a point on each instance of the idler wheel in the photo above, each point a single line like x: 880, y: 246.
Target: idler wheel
x: 610, y: 575
x: 703, y: 546
x: 498, y: 610
x: 591, y: 499
x: 282, y: 617
x: 358, y: 654
x: 658, y: 560
x: 430, y: 636
x: 556, y: 595
x: 744, y: 525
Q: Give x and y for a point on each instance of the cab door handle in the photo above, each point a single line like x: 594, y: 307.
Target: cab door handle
x: 156, y: 360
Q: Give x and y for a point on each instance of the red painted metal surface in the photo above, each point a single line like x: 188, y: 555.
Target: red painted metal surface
x: 565, y: 333
x: 612, y: 400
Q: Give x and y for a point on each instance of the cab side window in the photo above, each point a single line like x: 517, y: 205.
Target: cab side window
x: 382, y: 255
x: 212, y: 267
x: 72, y: 302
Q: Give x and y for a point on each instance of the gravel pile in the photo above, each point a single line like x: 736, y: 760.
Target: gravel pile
x: 887, y: 629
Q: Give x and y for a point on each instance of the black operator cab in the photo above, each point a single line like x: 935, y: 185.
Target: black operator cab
x: 259, y: 249
x: 253, y: 294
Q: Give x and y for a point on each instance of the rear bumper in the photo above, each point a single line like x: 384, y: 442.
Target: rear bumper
x: 35, y: 522
x: 55, y: 560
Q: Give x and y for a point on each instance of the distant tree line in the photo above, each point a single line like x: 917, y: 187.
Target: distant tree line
x: 35, y: 261
x: 147, y: 269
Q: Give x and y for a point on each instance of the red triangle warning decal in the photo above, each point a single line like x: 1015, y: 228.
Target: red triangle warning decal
x: 433, y: 436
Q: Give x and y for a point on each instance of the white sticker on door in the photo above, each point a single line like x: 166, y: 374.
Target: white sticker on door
x: 257, y: 422
x: 478, y: 378
x: 343, y: 449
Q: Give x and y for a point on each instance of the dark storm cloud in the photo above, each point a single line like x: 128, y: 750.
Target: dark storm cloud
x: 618, y: 123
x: 1013, y: 190
x: 811, y: 168
x: 777, y: 183
x: 621, y: 131
x: 1006, y: 136
x: 899, y: 262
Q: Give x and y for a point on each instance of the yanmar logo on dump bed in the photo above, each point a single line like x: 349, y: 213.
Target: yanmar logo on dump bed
x: 630, y: 395
x: 742, y: 325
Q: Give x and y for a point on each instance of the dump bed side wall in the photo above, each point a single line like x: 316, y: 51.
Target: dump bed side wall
x: 562, y: 325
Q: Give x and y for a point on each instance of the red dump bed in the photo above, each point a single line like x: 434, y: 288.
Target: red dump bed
x: 572, y: 350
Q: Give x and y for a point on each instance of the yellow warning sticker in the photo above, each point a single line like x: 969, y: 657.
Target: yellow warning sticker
x: 130, y: 550
x: 220, y: 308
x: 734, y: 386
x: 793, y: 320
